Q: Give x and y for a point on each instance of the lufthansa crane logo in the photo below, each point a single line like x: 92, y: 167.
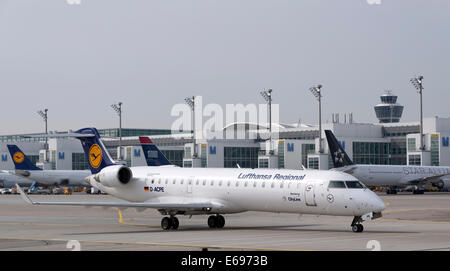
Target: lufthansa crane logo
x: 18, y: 157
x: 95, y: 156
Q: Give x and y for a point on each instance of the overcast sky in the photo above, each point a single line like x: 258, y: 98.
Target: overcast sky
x: 76, y: 60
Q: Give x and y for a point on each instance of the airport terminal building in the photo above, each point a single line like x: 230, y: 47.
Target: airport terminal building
x: 250, y: 145
x: 291, y: 147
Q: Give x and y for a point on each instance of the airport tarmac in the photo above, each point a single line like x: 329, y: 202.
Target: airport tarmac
x: 411, y: 222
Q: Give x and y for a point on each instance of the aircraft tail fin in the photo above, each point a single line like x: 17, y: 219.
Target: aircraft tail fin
x: 153, y: 155
x: 95, y: 151
x: 20, y: 160
x: 338, y: 154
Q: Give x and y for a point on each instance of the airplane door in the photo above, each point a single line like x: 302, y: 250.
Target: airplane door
x: 189, y: 186
x: 310, y: 197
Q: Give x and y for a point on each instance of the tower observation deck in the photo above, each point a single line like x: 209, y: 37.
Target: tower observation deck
x: 389, y: 111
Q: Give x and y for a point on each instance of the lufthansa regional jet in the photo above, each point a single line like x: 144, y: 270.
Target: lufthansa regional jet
x: 392, y: 176
x: 26, y: 169
x: 177, y: 191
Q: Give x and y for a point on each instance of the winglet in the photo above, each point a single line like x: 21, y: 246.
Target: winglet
x: 24, y: 196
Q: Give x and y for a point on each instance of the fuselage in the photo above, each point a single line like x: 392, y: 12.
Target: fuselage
x: 393, y: 175
x: 9, y: 180
x: 240, y: 190
x: 58, y: 177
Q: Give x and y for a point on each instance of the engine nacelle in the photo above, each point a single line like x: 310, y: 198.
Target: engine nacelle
x: 443, y: 184
x: 114, y: 176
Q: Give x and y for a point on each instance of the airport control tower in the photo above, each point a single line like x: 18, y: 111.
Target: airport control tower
x: 389, y: 110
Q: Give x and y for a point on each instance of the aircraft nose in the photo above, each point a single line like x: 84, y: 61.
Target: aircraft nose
x: 378, y: 204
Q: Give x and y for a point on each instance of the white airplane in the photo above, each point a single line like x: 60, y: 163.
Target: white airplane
x: 393, y: 176
x: 26, y: 169
x: 9, y: 180
x: 205, y: 191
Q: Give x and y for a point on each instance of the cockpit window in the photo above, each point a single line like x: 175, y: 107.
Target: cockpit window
x: 336, y: 184
x: 354, y: 184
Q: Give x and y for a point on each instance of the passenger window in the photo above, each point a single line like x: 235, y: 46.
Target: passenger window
x: 228, y: 184
x: 220, y: 183
x: 354, y: 184
x: 197, y: 182
x: 174, y: 181
x: 182, y: 181
x: 167, y: 181
x: 204, y: 182
x: 281, y: 185
x: 237, y: 183
x: 263, y: 185
x: 153, y: 181
x: 273, y: 185
x: 336, y: 184
x: 254, y: 184
x: 245, y: 184
x: 212, y: 183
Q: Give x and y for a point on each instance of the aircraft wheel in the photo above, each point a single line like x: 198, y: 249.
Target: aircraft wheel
x: 166, y: 223
x: 220, y: 221
x: 212, y: 221
x: 357, y: 228
x: 175, y: 223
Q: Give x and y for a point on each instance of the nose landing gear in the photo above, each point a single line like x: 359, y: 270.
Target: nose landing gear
x: 356, y: 224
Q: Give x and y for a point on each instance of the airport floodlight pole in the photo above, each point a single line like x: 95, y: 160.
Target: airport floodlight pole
x: 191, y: 102
x: 417, y: 83
x: 316, y: 91
x: 44, y: 115
x: 267, y: 95
x: 118, y: 108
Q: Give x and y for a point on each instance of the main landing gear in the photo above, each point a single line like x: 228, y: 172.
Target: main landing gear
x: 356, y: 224
x: 168, y: 223
x: 214, y: 221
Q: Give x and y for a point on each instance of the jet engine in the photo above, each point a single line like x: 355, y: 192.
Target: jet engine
x: 443, y: 184
x: 114, y: 176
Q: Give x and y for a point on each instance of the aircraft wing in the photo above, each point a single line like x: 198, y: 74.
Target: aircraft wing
x: 425, y: 180
x: 346, y: 169
x: 195, y: 206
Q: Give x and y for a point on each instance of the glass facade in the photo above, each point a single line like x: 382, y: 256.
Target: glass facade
x: 373, y: 153
x: 187, y: 153
x: 204, y: 162
x: 414, y: 160
x: 398, y: 152
x: 281, y: 154
x: 411, y: 144
x: 174, y: 156
x: 79, y: 161
x: 434, y: 150
x: 114, y: 132
x: 313, y: 163
x: 33, y: 158
x: 263, y: 163
x: 246, y: 157
x: 307, y: 149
